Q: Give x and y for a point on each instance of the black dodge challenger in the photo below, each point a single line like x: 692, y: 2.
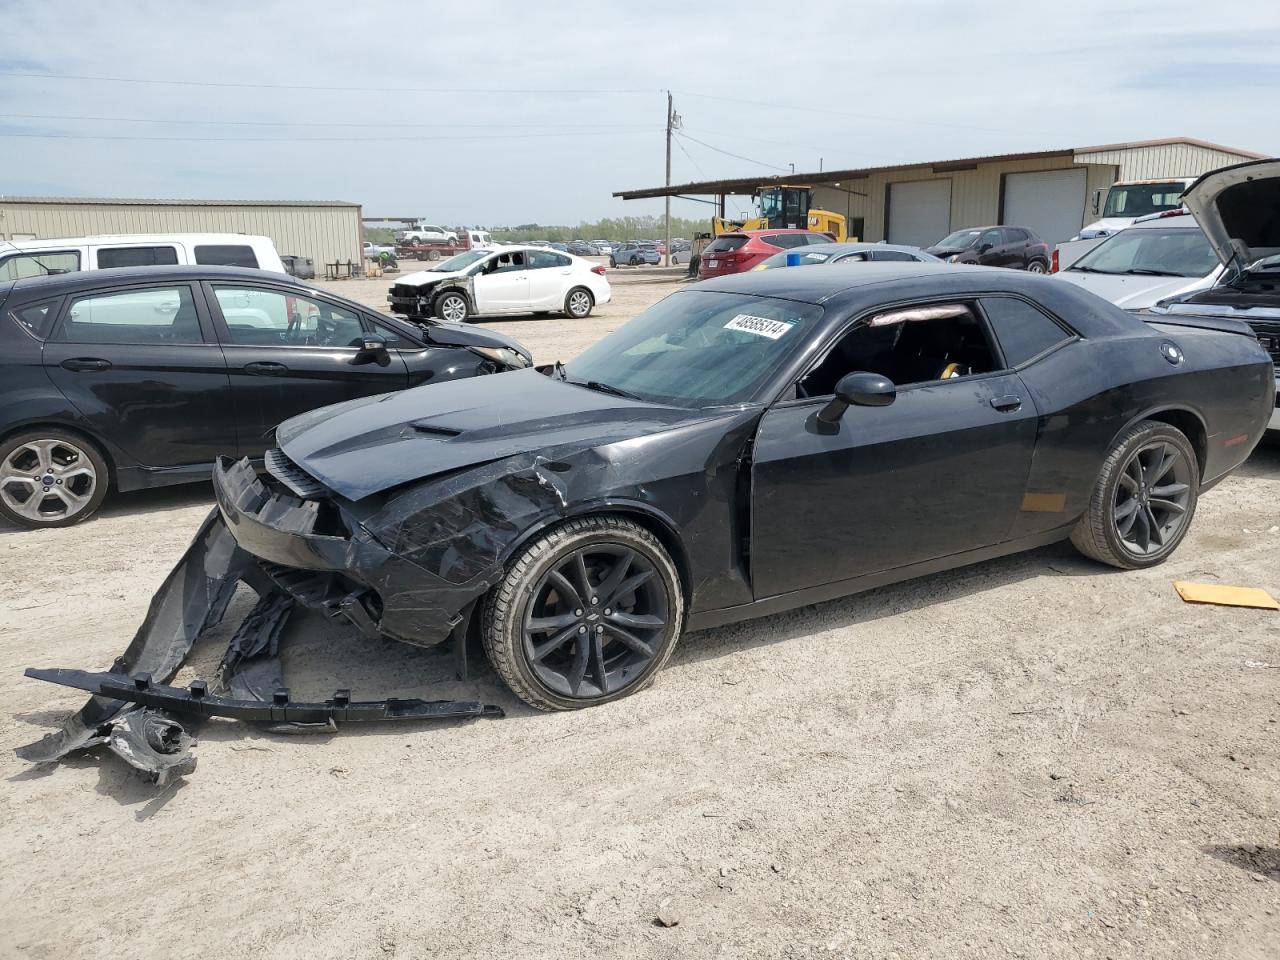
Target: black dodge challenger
x: 747, y: 445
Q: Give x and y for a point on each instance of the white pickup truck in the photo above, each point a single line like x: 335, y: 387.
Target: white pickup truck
x: 1126, y: 201
x: 426, y: 233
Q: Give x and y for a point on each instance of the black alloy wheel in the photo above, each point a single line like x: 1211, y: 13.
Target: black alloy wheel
x: 586, y: 614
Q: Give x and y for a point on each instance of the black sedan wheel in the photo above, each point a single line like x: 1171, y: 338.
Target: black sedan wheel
x: 1144, y: 499
x: 587, y: 613
x: 452, y: 307
x: 50, y: 478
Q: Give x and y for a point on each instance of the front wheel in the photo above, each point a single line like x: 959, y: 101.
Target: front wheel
x: 452, y: 307
x: 587, y: 613
x: 1037, y: 266
x: 1144, y: 498
x: 613, y: 263
x: 635, y: 261
x: 578, y: 303
x: 50, y: 478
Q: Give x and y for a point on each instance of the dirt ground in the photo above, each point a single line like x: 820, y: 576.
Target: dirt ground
x: 1032, y: 757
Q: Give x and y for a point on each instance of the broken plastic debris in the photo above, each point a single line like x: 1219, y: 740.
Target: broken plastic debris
x: 1225, y: 596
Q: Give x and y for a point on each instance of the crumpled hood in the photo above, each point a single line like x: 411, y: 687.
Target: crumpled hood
x: 467, y: 335
x: 366, y: 446
x: 1134, y: 292
x: 1238, y: 208
x: 420, y: 277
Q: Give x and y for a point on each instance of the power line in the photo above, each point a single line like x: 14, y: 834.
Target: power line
x: 327, y: 123
x: 361, y: 139
x: 298, y: 86
x: 735, y: 156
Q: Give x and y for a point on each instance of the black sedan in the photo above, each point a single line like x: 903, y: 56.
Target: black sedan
x: 748, y: 445
x: 140, y: 377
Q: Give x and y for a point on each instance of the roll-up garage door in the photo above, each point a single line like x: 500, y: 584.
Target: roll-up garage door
x: 1050, y: 202
x: 919, y: 212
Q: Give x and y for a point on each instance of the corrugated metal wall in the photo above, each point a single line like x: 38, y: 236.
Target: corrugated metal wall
x: 975, y: 194
x: 324, y: 233
x: 1163, y: 160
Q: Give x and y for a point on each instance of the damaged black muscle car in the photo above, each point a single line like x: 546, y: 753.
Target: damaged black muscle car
x: 745, y: 446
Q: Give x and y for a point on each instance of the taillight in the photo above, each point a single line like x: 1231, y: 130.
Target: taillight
x: 1053, y: 267
x: 598, y: 268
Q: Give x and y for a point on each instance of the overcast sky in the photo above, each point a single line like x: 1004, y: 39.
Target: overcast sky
x: 582, y: 104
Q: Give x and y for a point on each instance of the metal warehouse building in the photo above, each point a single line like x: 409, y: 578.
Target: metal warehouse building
x: 326, y: 231
x: 1050, y: 191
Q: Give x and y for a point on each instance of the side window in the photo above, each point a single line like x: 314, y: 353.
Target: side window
x: 37, y: 318
x: 1023, y: 331
x: 1015, y: 235
x: 226, y: 255
x: 849, y: 258
x: 812, y: 238
x: 259, y: 317
x: 23, y: 265
x: 541, y: 259
x: 936, y: 341
x: 892, y: 255
x: 136, y: 257
x: 786, y: 241
x: 151, y: 315
x: 991, y: 237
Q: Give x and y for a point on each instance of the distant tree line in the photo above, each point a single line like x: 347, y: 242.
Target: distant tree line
x: 610, y: 228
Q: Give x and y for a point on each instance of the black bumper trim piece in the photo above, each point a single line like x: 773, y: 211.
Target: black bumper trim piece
x: 196, y: 700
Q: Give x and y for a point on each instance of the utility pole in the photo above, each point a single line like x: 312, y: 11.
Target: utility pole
x: 671, y: 116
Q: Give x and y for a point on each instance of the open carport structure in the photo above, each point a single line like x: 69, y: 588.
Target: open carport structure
x: 1050, y: 191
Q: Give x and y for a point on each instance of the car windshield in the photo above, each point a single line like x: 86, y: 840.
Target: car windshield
x: 807, y: 259
x: 459, y: 262
x: 1167, y: 251
x: 698, y: 348
x: 1141, y: 199
x: 959, y: 240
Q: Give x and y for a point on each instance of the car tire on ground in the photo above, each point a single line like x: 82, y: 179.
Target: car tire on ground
x: 1145, y: 496
x: 51, y: 478
x: 635, y: 261
x: 452, y: 306
x: 613, y: 263
x: 578, y: 303
x: 1037, y: 266
x: 587, y: 613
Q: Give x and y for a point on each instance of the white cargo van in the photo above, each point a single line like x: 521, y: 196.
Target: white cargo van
x: 33, y: 258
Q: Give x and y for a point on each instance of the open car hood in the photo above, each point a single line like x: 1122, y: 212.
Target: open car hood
x: 1238, y: 208
x: 372, y: 444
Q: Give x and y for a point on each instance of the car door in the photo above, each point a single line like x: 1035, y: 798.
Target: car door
x: 502, y: 284
x: 549, y: 277
x: 989, y: 247
x: 939, y: 471
x: 288, y: 352
x: 142, y: 365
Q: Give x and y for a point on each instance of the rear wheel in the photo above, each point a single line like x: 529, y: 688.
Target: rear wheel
x: 613, y: 263
x: 452, y: 307
x: 1144, y: 499
x: 50, y: 478
x: 1037, y: 266
x: 578, y: 303
x: 635, y: 261
x: 587, y: 613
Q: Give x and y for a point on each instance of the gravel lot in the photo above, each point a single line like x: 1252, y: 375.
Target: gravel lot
x: 1033, y: 757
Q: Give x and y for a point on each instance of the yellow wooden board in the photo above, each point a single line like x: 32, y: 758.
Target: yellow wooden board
x: 1225, y: 596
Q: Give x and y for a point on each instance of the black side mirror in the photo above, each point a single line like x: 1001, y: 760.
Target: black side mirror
x: 985, y: 247
x: 858, y: 389
x: 373, y: 349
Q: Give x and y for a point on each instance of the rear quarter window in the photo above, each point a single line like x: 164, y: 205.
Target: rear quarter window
x: 37, y: 318
x: 136, y: 257
x: 1023, y: 331
x: 226, y: 255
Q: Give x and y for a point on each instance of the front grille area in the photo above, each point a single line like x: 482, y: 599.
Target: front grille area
x: 403, y: 291
x: 1270, y: 340
x: 292, y: 476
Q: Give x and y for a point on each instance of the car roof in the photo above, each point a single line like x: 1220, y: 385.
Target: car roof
x: 45, y: 243
x: 59, y: 283
x: 860, y: 247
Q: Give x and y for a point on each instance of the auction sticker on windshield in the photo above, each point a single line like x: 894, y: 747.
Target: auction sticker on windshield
x: 760, y: 326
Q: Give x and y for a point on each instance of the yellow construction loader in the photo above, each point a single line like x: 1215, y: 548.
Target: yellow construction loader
x: 784, y: 206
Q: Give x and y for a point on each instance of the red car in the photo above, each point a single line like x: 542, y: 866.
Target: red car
x: 736, y: 252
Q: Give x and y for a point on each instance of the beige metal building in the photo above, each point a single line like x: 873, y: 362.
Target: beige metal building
x: 326, y: 231
x: 1051, y: 191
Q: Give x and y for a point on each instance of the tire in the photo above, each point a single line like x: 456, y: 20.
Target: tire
x: 74, y: 478
x: 613, y: 263
x: 578, y: 303
x: 1148, y: 458
x: 433, y: 254
x: 568, y: 675
x: 635, y: 261
x: 452, y: 306
x: 1037, y: 266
